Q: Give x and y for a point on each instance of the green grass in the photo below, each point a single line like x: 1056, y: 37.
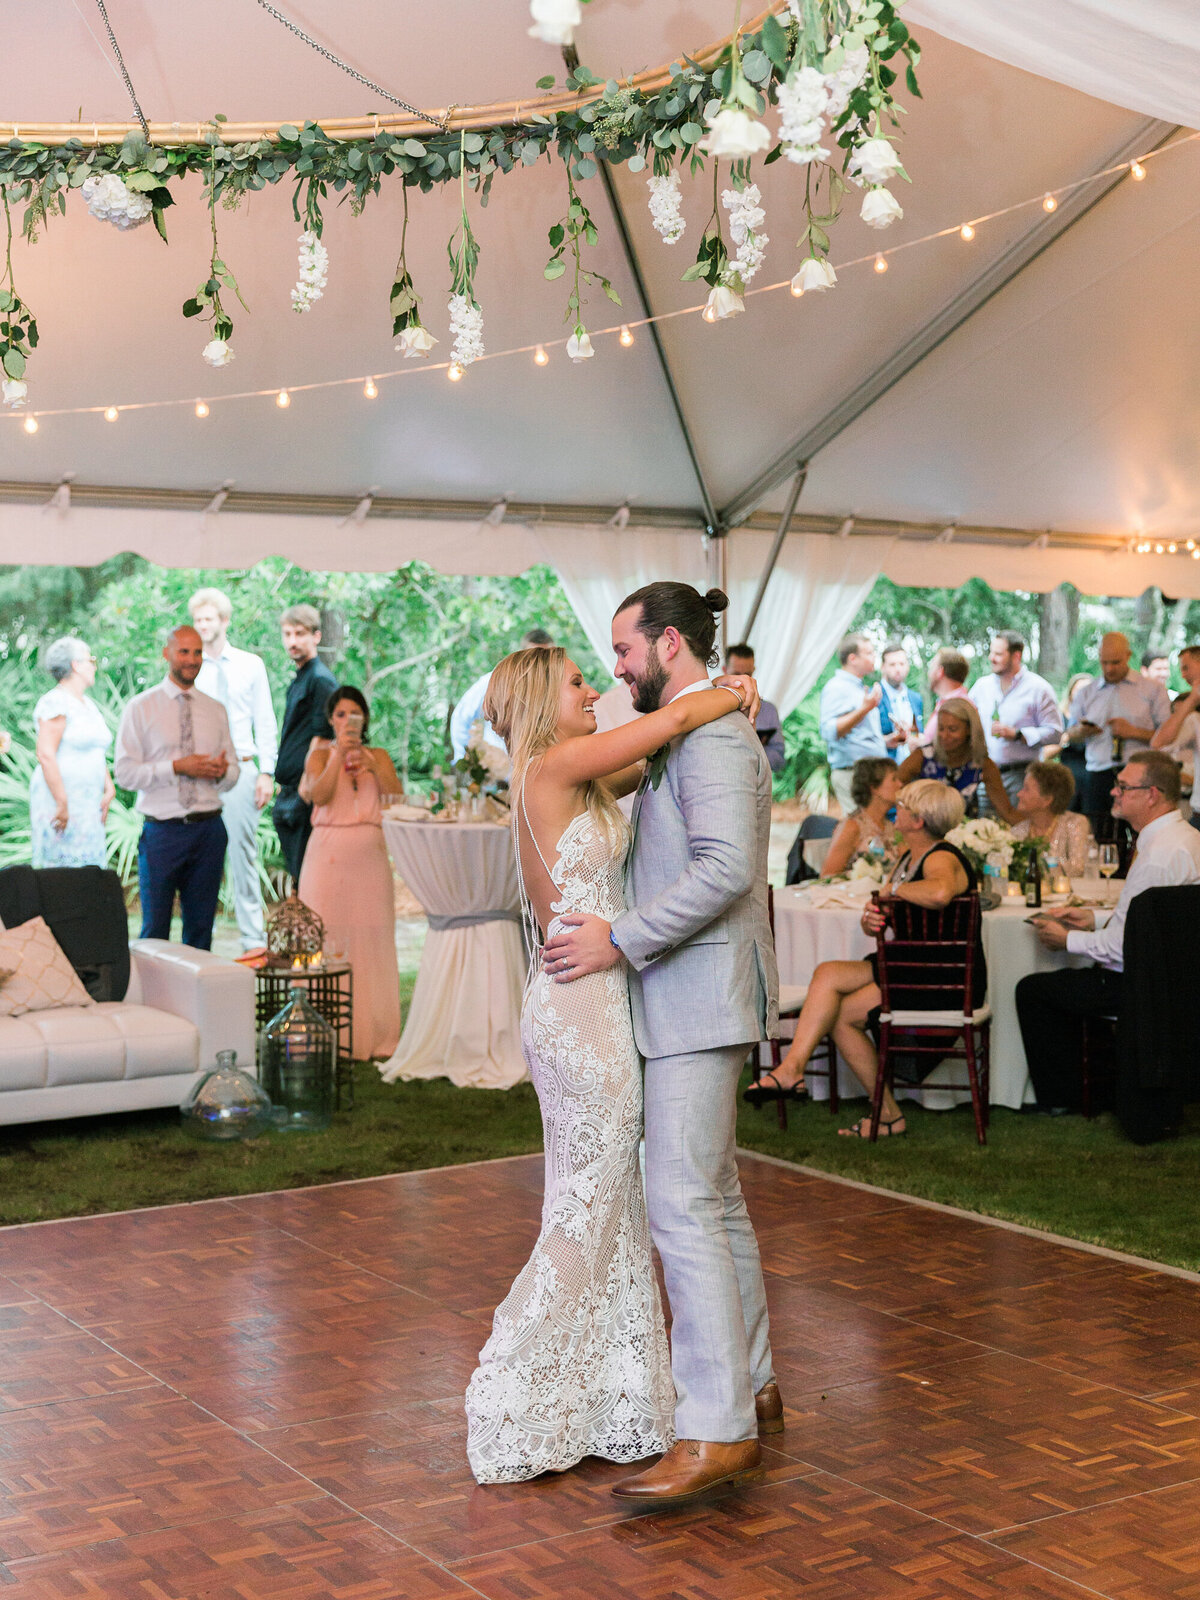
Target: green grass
x: 1064, y: 1175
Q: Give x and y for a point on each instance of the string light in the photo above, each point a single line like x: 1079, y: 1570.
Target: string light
x: 111, y: 413
x: 1049, y: 203
x: 455, y: 371
x: 1171, y: 549
x: 369, y: 389
x: 1158, y: 549
x: 1137, y: 171
x: 1196, y: 555
x: 881, y: 262
x: 966, y: 232
x: 1191, y: 544
x: 30, y: 424
x: 540, y: 357
x: 283, y: 399
x: 626, y: 335
x: 796, y: 287
x: 201, y: 408
x: 709, y: 313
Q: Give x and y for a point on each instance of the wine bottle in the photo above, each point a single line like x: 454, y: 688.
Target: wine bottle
x: 1031, y: 880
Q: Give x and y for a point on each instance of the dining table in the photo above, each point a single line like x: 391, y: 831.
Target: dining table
x: 815, y: 923
x: 464, y: 1021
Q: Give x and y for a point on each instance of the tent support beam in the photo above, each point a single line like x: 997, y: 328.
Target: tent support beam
x: 1151, y: 135
x: 785, y: 523
x: 714, y: 524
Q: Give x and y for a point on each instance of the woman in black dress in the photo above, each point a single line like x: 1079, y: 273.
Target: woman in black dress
x: 843, y: 994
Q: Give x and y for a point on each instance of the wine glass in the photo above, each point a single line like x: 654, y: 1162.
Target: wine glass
x: 1109, y: 860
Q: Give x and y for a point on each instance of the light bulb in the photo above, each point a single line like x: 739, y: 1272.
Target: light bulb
x: 283, y: 399
x: 111, y: 414
x: 1158, y: 549
x: 30, y: 424
x: 1196, y: 555
x: 201, y: 408
x: 370, y: 392
x: 1049, y: 203
x: 540, y: 357
x: 966, y: 232
x: 455, y: 371
x: 881, y: 263
x: 626, y: 335
x: 709, y: 313
x: 1171, y: 549
x: 796, y: 286
x: 1137, y: 171
x: 1191, y: 544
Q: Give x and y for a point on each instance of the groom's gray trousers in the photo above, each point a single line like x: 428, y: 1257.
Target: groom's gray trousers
x: 720, y: 1354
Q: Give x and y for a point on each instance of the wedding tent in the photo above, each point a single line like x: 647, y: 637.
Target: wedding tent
x: 1020, y: 405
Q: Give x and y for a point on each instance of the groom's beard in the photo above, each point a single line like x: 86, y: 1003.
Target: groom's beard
x: 649, y: 685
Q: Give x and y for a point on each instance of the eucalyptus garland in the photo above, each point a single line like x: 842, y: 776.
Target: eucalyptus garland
x: 823, y: 64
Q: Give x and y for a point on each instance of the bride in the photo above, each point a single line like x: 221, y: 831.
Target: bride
x: 577, y: 1363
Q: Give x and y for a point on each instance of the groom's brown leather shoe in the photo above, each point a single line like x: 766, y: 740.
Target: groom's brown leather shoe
x: 768, y: 1408
x: 693, y: 1467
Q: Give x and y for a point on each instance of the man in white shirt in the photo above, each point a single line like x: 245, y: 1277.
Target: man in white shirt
x: 469, y: 709
x: 238, y: 679
x: 1114, y: 715
x: 1018, y: 710
x: 175, y: 749
x: 1052, y: 1005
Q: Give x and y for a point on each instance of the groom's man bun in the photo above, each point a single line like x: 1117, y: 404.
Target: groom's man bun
x: 677, y: 605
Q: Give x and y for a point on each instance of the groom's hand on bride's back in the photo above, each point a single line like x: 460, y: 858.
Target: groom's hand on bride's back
x: 748, y: 687
x: 581, y: 947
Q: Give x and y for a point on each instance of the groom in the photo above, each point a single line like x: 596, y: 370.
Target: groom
x: 703, y: 988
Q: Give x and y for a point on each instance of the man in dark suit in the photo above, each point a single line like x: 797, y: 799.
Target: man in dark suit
x: 305, y: 718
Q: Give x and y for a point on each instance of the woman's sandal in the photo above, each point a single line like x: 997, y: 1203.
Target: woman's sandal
x: 862, y: 1129
x: 760, y: 1091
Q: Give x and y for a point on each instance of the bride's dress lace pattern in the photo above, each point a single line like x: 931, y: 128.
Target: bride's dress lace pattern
x: 578, y: 1363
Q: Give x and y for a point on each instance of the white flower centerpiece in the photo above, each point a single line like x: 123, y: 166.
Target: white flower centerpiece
x: 987, y: 844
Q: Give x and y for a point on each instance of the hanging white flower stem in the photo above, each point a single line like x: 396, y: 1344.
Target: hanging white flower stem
x: 665, y: 201
x: 711, y: 266
x: 18, y: 330
x: 746, y: 217
x: 313, y: 270
x: 555, y: 21
x: 466, y: 319
x: 414, y: 338
x: 734, y: 128
x: 206, y: 303
x: 576, y: 228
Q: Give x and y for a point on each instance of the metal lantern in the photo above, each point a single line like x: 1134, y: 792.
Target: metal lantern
x: 295, y: 935
x: 227, y: 1103
x: 296, y: 1061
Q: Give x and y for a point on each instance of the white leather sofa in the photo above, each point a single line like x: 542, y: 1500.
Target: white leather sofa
x: 182, y: 1006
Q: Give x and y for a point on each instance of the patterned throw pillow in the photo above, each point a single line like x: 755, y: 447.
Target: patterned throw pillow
x: 38, y: 977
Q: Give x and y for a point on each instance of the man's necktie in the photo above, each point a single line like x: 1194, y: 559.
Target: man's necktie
x: 187, y: 747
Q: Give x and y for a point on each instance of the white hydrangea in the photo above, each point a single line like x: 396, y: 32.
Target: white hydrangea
x: 665, y: 200
x: 314, y: 266
x: 466, y: 325
x: 803, y: 101
x: 840, y: 85
x: 109, y: 200
x: 746, y: 217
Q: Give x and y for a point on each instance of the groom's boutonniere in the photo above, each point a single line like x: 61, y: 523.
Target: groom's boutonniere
x: 656, y: 766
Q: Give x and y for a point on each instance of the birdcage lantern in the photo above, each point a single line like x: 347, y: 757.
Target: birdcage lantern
x: 295, y: 936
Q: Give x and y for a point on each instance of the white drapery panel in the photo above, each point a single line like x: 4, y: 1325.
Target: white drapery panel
x: 1144, y: 55
x: 817, y: 586
x: 598, y: 567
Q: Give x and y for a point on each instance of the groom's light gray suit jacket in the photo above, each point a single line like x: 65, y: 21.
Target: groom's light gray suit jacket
x: 698, y: 937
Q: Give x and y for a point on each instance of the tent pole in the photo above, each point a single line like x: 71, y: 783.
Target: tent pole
x: 785, y: 523
x: 1150, y: 135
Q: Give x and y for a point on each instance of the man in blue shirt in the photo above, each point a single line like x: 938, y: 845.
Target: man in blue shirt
x: 1114, y: 715
x: 900, y: 710
x: 739, y: 658
x: 849, y: 714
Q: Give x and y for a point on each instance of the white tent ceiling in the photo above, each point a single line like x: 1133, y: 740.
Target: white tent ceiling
x: 1067, y: 401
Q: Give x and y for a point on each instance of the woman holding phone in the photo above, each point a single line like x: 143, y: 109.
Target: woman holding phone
x: 347, y: 877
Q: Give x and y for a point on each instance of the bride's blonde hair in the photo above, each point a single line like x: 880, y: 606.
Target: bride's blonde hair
x: 523, y: 703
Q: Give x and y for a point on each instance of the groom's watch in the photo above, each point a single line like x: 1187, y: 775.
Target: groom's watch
x: 612, y: 939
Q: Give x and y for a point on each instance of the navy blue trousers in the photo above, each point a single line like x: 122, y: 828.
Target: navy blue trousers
x: 184, y: 859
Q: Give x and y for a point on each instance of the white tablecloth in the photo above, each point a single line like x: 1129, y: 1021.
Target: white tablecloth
x: 804, y: 937
x: 465, y: 1019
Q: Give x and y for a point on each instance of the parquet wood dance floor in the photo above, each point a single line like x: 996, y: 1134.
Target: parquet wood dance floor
x: 261, y: 1399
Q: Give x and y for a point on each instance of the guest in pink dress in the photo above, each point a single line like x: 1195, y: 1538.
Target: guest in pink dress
x: 346, y: 877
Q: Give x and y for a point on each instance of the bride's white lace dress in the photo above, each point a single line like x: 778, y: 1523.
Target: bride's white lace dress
x: 577, y: 1363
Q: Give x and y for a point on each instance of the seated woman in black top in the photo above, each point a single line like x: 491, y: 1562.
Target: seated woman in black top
x: 843, y: 994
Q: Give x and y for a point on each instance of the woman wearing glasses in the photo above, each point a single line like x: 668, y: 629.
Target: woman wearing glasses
x: 70, y: 790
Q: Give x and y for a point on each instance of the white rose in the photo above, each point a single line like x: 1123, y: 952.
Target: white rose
x: 723, y: 302
x: 880, y: 209
x: 814, y: 274
x: 734, y: 134
x: 217, y: 353
x: 579, y: 346
x: 875, y: 161
x: 555, y: 21
x: 415, y: 341
x: 15, y: 392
